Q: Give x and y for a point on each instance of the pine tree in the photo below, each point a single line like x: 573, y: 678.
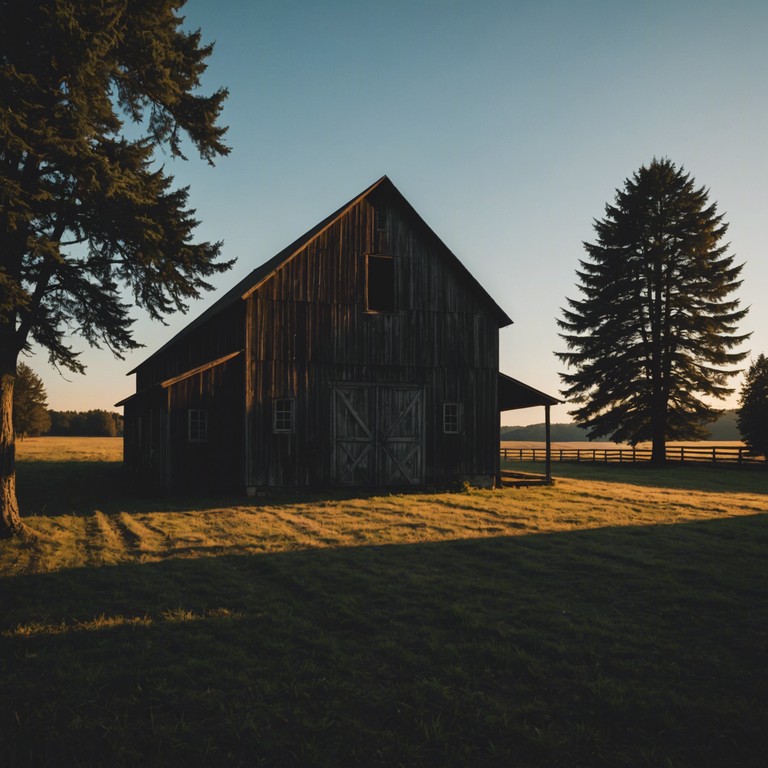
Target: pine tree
x: 30, y: 403
x: 752, y: 415
x: 86, y: 214
x: 656, y: 327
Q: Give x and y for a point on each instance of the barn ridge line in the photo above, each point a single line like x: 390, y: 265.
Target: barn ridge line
x: 258, y: 276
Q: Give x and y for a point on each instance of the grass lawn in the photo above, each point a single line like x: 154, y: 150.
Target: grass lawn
x: 618, y: 618
x: 69, y: 449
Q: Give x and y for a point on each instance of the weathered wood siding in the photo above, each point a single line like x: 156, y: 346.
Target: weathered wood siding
x: 216, y: 462
x: 221, y: 334
x: 145, y: 440
x: 368, y: 387
x: 307, y: 330
x: 157, y: 443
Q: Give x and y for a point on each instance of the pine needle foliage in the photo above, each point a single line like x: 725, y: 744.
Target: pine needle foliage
x: 84, y: 210
x: 655, y: 329
x: 752, y: 416
x: 90, y: 223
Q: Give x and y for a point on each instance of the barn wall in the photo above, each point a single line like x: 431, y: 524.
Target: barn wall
x: 215, y: 338
x: 305, y: 457
x: 145, y: 439
x: 308, y: 329
x: 156, y: 442
x: 217, y: 462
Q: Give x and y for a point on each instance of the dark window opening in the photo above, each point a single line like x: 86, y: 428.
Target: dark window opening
x: 381, y: 284
x: 282, y: 415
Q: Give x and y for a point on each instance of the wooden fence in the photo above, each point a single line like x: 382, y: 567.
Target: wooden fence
x: 680, y: 454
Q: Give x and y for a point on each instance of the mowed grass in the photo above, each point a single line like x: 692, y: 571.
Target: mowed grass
x: 70, y: 449
x: 619, y: 618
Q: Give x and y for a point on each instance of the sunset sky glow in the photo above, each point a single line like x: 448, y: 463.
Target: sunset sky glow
x: 507, y: 125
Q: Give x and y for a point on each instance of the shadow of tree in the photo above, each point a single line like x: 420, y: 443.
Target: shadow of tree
x: 618, y: 646
x: 53, y: 488
x: 78, y: 487
x: 713, y: 479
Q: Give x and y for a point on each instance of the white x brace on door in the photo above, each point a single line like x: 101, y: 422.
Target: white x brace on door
x: 378, y: 435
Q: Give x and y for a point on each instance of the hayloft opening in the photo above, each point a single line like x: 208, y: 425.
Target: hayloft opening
x: 381, y: 284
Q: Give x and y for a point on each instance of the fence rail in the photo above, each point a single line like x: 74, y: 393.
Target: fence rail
x: 715, y: 454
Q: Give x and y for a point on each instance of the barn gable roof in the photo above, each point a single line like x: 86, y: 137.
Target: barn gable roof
x: 265, y: 271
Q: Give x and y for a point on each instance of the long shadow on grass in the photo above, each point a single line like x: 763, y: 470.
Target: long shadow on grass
x: 610, y: 647
x: 78, y: 487
x: 712, y: 479
x: 54, y: 488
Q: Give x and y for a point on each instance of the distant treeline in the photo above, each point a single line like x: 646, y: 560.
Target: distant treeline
x: 86, y: 424
x: 724, y: 428
x: 535, y: 433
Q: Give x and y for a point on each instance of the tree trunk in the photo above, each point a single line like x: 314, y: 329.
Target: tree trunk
x: 10, y: 519
x: 658, y: 451
x: 659, y: 432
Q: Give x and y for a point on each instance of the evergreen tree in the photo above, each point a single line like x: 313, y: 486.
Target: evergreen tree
x: 753, y: 407
x: 86, y: 215
x: 656, y: 326
x: 30, y: 404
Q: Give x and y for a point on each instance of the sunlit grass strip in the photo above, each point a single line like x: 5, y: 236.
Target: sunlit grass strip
x: 126, y: 531
x: 65, y: 449
x: 101, y: 623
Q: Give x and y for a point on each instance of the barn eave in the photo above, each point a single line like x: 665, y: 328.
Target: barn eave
x: 255, y: 279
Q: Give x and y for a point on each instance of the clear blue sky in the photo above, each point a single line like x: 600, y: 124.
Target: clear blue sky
x: 508, y: 125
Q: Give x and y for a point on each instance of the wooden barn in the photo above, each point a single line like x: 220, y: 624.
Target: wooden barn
x: 363, y: 354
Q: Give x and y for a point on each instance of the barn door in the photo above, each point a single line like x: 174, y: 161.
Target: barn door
x: 353, y: 430
x: 400, y: 433
x: 378, y: 435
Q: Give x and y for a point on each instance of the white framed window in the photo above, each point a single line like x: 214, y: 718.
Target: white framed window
x: 197, y: 425
x: 283, y: 414
x: 451, y: 418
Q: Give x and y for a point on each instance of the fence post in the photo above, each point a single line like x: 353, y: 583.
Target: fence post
x: 714, y: 455
x: 682, y: 455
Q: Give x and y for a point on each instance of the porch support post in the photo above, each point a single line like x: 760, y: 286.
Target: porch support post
x: 548, y: 459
